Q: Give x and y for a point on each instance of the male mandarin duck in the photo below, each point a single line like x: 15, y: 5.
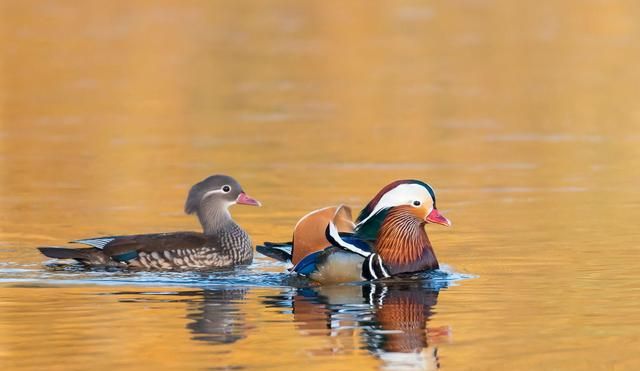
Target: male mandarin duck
x: 222, y: 244
x: 387, y: 239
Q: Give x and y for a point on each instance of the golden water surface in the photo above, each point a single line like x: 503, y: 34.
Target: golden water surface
x: 524, y: 116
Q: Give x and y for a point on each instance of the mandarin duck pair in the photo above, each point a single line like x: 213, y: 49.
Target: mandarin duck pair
x: 387, y: 239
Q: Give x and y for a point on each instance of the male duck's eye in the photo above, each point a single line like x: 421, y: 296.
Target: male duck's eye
x: 417, y: 203
x: 226, y: 189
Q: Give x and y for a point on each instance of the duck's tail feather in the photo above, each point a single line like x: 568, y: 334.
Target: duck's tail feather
x: 81, y: 255
x: 280, y: 251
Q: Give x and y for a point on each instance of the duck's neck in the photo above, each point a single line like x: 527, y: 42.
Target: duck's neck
x: 403, y: 244
x: 215, y: 219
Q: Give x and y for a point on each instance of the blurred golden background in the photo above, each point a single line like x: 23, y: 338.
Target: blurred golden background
x: 523, y: 115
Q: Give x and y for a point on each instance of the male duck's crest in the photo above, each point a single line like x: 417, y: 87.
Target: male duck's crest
x: 395, y: 194
x: 408, y: 192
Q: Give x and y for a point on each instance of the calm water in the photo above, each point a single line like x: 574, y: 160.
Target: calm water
x: 525, y: 118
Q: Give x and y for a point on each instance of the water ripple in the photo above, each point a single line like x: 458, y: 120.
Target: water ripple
x: 252, y: 276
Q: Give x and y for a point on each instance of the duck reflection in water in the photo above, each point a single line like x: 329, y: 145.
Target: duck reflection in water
x: 217, y: 318
x: 215, y: 315
x: 390, y: 318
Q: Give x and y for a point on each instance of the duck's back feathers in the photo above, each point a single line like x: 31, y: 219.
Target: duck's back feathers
x: 159, y: 242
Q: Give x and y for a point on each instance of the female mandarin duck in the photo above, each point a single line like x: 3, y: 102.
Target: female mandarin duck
x: 222, y: 244
x: 388, y: 238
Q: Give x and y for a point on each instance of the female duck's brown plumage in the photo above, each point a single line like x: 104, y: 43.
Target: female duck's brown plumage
x: 388, y: 239
x: 222, y: 244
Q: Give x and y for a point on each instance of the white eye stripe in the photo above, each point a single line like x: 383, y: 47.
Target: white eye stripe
x: 215, y: 191
x: 401, y: 195
x: 212, y: 193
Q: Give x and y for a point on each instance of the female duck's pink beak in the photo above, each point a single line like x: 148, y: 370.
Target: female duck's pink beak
x: 243, y: 199
x: 437, y: 218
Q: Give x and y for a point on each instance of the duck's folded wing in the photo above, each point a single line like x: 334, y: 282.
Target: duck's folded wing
x: 309, y: 264
x: 128, y: 247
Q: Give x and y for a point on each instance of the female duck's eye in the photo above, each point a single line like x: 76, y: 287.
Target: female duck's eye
x: 417, y: 203
x: 226, y: 189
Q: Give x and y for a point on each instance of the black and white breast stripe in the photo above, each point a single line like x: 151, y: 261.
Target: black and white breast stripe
x: 373, y: 268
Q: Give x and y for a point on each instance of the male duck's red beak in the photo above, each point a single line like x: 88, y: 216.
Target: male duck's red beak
x: 437, y: 218
x: 243, y: 199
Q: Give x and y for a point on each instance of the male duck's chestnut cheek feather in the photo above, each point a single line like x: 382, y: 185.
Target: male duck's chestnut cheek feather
x: 403, y: 243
